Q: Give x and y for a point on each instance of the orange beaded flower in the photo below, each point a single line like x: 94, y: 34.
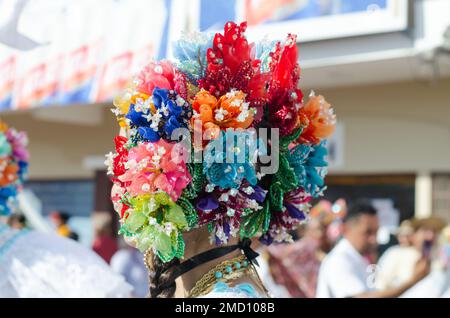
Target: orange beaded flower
x: 229, y: 111
x: 318, y: 118
x: 9, y: 174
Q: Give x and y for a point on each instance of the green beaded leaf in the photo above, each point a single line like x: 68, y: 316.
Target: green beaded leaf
x: 251, y: 224
x: 124, y: 231
x: 176, y: 215
x: 164, y: 245
x: 163, y: 198
x: 134, y: 221
x: 180, y: 246
x: 125, y: 199
x: 276, y: 196
x: 163, y: 257
x: 285, y: 180
x: 267, y: 215
x: 190, y: 167
x: 199, y: 178
x: 160, y: 215
x: 145, y: 238
x: 198, y: 181
x: 130, y: 144
x: 246, y: 212
x: 286, y: 140
x: 286, y: 175
x: 189, y: 211
x: 189, y: 193
x: 210, y: 227
x: 167, y: 247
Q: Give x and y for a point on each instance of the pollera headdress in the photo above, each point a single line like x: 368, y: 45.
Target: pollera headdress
x: 219, y: 87
x: 13, y: 166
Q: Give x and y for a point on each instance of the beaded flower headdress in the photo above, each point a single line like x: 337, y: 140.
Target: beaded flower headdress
x: 13, y: 166
x: 220, y: 88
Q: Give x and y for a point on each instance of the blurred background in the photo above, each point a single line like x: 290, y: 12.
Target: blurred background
x: 383, y: 64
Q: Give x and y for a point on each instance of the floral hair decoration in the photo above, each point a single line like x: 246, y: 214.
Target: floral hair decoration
x: 220, y: 87
x: 13, y: 166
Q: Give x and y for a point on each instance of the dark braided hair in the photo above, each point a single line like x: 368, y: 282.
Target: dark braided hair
x: 159, y: 278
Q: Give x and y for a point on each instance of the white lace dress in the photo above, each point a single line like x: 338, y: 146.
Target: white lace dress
x: 34, y: 264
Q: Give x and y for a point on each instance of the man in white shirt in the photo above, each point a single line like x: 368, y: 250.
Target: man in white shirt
x: 345, y: 272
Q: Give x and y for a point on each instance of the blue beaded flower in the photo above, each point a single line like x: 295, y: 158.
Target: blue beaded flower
x: 310, y: 166
x: 240, y: 165
x: 159, y: 116
x: 7, y: 197
x: 23, y: 170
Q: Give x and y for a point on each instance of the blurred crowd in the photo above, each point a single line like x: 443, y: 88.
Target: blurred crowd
x: 335, y: 254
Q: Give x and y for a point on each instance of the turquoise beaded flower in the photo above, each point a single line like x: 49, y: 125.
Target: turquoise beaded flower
x: 5, y: 146
x: 190, y: 52
x: 229, y: 172
x: 310, y: 166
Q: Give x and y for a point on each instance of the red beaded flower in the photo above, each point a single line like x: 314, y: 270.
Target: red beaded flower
x: 121, y: 156
x: 231, y: 64
x: 284, y: 94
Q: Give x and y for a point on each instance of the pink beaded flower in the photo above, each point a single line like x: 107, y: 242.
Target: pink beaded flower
x: 158, y: 166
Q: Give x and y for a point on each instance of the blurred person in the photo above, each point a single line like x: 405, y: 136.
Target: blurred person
x: 445, y: 251
x: 295, y: 266
x: 60, y: 220
x: 345, y: 271
x: 445, y: 256
x: 402, y: 238
x: 437, y: 283
x: 331, y: 215
x: 129, y: 262
x: 396, y: 266
x: 17, y: 221
x: 388, y: 240
x: 275, y: 289
x: 405, y: 233
x: 104, y: 244
x: 334, y: 230
x: 36, y: 265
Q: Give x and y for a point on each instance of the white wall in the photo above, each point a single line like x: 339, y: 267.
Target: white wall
x: 58, y: 149
x: 403, y: 127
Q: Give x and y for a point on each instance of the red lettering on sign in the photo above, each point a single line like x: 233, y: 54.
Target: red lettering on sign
x: 115, y: 74
x: 7, y: 74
